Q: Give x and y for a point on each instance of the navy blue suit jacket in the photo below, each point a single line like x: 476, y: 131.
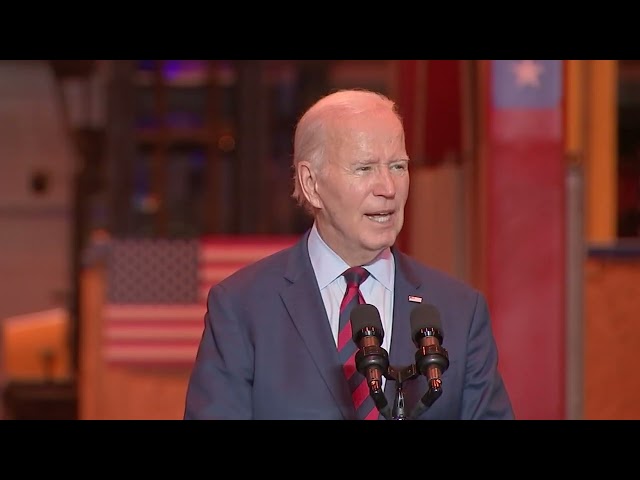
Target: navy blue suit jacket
x: 267, y: 351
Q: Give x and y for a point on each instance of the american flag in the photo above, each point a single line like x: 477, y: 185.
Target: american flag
x: 156, y: 293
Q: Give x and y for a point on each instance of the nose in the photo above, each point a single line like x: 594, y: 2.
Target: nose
x: 385, y: 185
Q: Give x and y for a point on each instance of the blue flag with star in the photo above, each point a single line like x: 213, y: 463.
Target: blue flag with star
x: 526, y: 84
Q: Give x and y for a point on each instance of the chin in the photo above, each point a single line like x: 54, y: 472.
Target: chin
x: 382, y: 241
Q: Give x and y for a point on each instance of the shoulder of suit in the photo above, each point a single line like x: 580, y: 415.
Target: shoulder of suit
x: 260, y: 272
x: 434, y: 277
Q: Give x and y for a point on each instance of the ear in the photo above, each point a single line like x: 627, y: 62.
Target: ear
x: 308, y: 179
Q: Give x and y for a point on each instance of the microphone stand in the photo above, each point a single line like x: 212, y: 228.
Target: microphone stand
x: 376, y: 356
x: 400, y: 376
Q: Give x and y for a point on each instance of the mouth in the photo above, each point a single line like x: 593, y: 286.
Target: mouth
x: 380, y: 217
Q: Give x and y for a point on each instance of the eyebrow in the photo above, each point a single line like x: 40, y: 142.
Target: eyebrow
x: 370, y: 161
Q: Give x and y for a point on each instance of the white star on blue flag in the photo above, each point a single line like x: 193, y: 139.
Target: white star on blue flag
x: 526, y: 83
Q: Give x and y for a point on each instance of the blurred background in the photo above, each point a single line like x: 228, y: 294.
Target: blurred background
x: 129, y: 187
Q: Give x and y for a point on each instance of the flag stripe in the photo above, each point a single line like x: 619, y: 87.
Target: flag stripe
x: 156, y: 343
x: 131, y: 354
x: 121, y: 323
x: 153, y: 312
x: 145, y: 333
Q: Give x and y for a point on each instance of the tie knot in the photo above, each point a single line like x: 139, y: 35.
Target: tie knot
x: 355, y: 276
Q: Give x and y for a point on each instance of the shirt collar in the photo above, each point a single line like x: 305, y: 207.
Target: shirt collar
x: 328, y: 265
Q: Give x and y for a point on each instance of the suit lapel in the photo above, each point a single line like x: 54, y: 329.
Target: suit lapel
x: 305, y: 306
x: 402, y: 349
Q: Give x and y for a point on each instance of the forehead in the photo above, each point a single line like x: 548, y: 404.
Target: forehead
x: 378, y: 132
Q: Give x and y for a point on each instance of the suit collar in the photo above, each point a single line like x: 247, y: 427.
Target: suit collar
x: 304, y: 303
x: 405, y: 269
x: 298, y: 263
x: 407, y: 294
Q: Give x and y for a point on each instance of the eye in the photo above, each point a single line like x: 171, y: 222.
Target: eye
x: 400, y: 166
x: 363, y: 168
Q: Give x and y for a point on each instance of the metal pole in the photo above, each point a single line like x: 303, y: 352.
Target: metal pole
x: 575, y: 258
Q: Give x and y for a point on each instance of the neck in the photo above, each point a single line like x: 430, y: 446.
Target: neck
x: 351, y: 258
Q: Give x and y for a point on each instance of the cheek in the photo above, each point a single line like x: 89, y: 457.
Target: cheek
x: 349, y: 190
x: 358, y: 195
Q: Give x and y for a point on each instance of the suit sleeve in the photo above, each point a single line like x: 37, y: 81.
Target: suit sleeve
x: 485, y: 396
x: 220, y: 383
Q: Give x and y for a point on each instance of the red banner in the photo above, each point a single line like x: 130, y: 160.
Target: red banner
x: 525, y: 214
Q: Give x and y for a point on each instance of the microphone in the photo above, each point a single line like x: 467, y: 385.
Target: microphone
x: 432, y: 360
x: 372, y: 361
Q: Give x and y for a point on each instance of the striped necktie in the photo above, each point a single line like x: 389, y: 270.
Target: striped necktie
x: 347, y: 349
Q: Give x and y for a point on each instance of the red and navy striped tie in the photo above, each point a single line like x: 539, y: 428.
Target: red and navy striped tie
x: 347, y: 349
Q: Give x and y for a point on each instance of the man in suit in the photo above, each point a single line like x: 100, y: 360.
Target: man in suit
x: 272, y: 346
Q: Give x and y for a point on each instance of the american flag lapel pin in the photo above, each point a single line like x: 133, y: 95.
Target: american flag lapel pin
x: 415, y: 299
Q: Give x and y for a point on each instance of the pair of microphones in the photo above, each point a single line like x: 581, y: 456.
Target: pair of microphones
x: 372, y: 361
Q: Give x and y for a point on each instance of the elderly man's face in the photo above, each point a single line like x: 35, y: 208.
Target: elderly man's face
x: 362, y: 189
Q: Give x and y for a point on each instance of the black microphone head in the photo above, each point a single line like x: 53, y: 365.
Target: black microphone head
x: 425, y: 321
x: 365, y: 320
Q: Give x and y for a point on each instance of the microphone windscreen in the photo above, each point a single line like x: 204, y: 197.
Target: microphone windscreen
x: 363, y: 316
x: 425, y: 316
